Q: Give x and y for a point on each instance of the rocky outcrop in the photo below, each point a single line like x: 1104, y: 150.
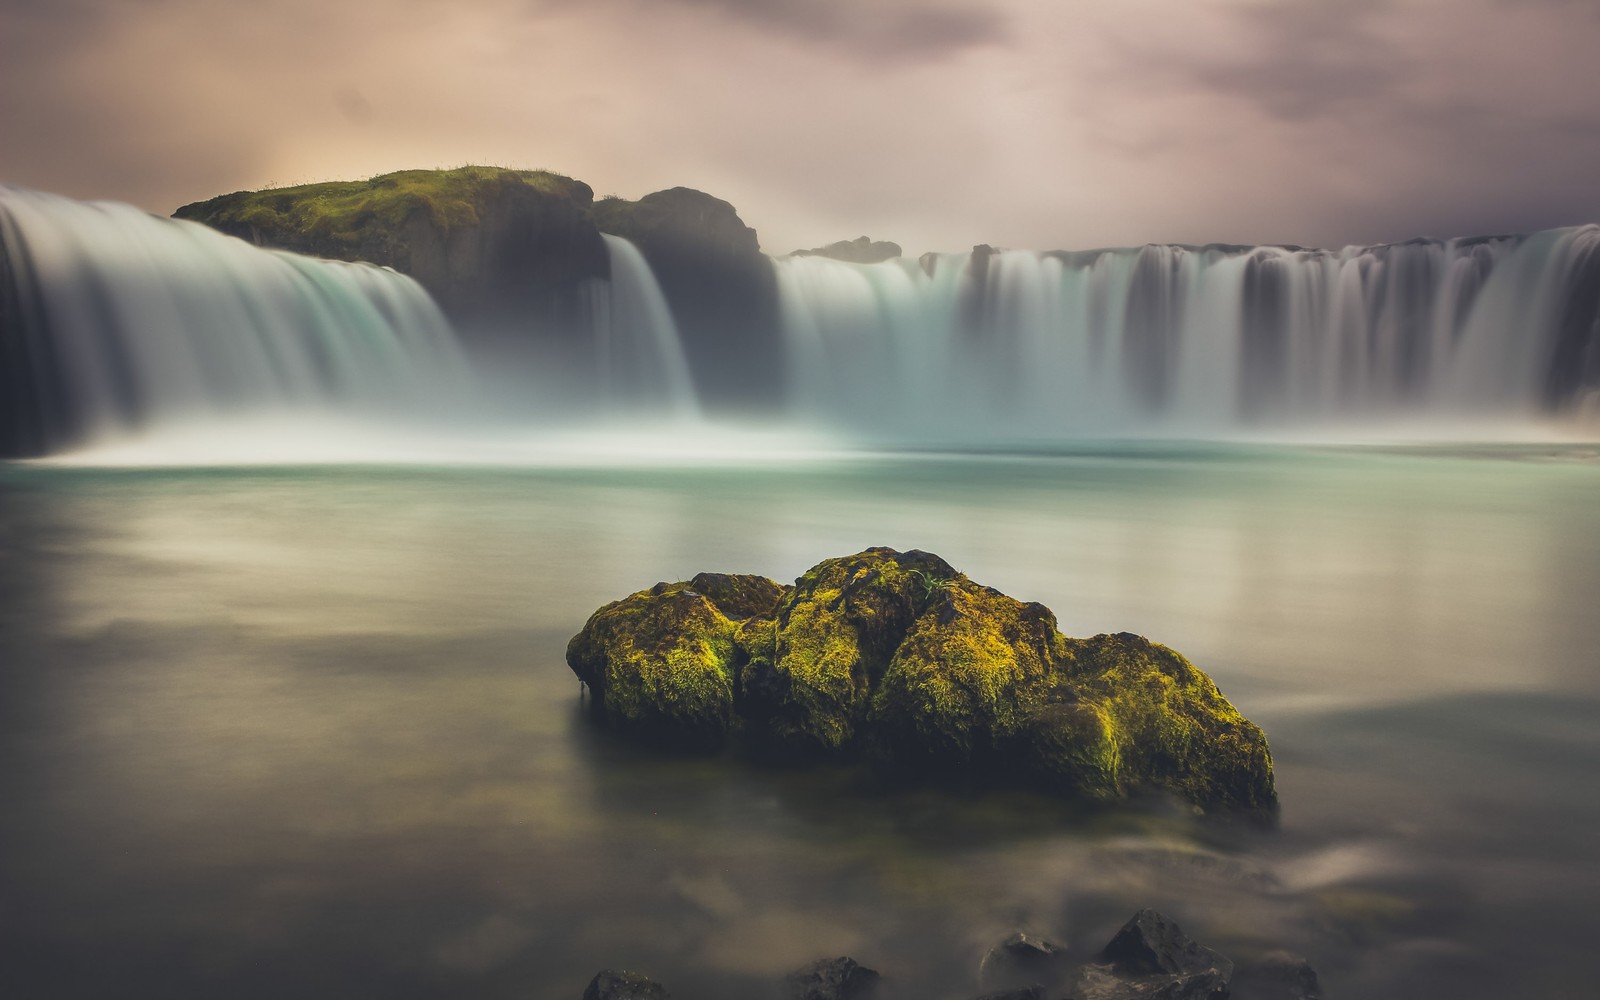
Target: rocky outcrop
x: 832, y: 979
x: 898, y: 657
x: 512, y: 254
x: 857, y: 251
x: 720, y: 286
x: 496, y: 248
x: 1024, y: 962
x: 1150, y: 958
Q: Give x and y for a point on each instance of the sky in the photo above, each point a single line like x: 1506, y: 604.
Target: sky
x: 1046, y: 124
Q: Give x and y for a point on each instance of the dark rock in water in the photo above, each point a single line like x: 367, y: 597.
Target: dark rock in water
x: 611, y: 984
x: 1150, y: 943
x: 857, y: 251
x: 1101, y: 982
x: 1022, y: 960
x: 1034, y: 992
x: 1150, y: 958
x: 1277, y: 975
x: 832, y: 979
x: 721, y: 288
x: 898, y: 656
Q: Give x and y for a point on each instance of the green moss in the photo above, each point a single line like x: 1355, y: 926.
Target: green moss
x: 899, y: 653
x: 739, y: 595
x: 966, y: 673
x: 1070, y: 747
x: 1174, y: 727
x: 660, y: 666
x: 347, y: 216
x: 836, y: 631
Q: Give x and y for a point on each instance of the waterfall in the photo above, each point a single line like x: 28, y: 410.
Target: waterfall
x: 1196, y: 340
x: 114, y: 321
x: 638, y: 354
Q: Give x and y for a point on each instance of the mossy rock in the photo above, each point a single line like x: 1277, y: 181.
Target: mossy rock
x: 808, y: 691
x: 897, y: 656
x: 1174, y: 727
x: 660, y: 664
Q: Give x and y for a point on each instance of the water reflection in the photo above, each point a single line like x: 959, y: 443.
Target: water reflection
x: 294, y: 731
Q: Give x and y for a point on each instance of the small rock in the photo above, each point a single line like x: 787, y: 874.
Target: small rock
x: 832, y: 979
x: 1103, y: 982
x: 613, y: 984
x: 1152, y: 944
x: 1022, y: 960
x: 1150, y: 958
x: 1277, y: 975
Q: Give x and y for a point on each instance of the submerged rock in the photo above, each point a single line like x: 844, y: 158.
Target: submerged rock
x: 1151, y: 944
x: 1023, y: 963
x: 1099, y: 982
x: 832, y: 979
x: 898, y: 656
x: 611, y: 984
x: 1150, y: 958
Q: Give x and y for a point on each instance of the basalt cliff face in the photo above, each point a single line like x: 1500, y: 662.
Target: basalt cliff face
x: 720, y: 285
x: 490, y: 245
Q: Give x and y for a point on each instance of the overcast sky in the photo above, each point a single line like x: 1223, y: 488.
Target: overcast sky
x: 934, y: 123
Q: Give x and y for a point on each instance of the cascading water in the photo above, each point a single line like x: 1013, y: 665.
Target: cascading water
x: 638, y: 354
x: 1196, y: 340
x: 114, y: 321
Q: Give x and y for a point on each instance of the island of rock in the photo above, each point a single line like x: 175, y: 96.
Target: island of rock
x: 897, y: 657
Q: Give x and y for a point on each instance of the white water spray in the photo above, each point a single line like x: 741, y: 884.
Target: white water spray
x: 1192, y: 341
x: 123, y: 322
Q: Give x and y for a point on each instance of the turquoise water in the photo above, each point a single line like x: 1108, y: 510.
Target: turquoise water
x: 308, y: 731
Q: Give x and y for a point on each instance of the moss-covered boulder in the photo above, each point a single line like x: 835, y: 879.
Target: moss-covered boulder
x: 1174, y: 727
x: 808, y: 681
x: 660, y: 664
x: 898, y: 657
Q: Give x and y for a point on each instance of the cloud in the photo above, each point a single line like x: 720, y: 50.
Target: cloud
x: 934, y: 123
x: 1301, y: 61
x: 888, y: 30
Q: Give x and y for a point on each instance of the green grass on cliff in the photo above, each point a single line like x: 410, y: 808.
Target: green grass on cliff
x: 344, y: 212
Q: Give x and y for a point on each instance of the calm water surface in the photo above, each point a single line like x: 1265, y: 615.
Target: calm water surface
x: 309, y: 732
